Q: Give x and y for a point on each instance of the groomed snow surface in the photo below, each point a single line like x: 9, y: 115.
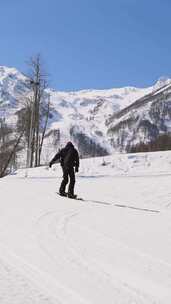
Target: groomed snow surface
x: 112, y: 248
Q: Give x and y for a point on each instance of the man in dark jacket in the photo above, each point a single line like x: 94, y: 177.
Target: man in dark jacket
x: 69, y: 160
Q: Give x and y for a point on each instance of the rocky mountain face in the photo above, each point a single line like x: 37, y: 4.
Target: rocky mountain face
x: 142, y: 121
x: 98, y: 121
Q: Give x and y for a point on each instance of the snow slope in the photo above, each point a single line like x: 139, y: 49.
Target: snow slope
x: 112, y: 248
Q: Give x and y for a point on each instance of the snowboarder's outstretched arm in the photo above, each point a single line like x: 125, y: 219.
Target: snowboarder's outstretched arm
x: 77, y: 162
x: 56, y: 157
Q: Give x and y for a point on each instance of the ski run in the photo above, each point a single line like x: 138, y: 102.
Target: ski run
x: 112, y: 248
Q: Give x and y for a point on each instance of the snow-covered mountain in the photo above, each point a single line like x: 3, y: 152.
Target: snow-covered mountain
x: 85, y: 113
x: 98, y: 121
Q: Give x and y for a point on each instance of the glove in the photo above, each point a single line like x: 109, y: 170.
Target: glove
x: 50, y: 165
x: 76, y: 169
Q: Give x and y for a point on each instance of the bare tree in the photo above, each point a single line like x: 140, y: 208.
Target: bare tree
x: 9, y: 145
x: 32, y: 120
x: 36, y: 110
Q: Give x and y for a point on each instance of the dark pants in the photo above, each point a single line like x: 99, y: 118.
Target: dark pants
x: 68, y: 174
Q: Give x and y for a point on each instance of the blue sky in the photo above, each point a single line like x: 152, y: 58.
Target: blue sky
x: 89, y: 43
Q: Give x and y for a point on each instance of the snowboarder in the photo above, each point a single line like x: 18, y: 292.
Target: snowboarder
x: 69, y: 160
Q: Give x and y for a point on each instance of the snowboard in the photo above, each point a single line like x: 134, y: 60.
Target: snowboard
x: 76, y: 198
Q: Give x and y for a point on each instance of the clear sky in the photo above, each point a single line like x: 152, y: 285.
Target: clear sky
x: 89, y: 43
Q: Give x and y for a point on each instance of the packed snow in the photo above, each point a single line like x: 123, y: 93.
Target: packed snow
x: 113, y: 247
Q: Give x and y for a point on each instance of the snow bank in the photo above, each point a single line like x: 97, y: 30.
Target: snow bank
x: 151, y: 163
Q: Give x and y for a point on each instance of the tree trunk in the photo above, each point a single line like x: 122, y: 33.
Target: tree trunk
x: 44, y: 130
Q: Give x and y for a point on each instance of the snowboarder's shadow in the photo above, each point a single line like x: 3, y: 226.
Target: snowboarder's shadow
x: 122, y: 206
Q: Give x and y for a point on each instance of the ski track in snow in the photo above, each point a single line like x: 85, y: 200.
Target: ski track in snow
x: 53, y: 229
x: 17, y: 288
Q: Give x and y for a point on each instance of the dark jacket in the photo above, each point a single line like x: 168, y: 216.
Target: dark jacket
x: 67, y: 156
